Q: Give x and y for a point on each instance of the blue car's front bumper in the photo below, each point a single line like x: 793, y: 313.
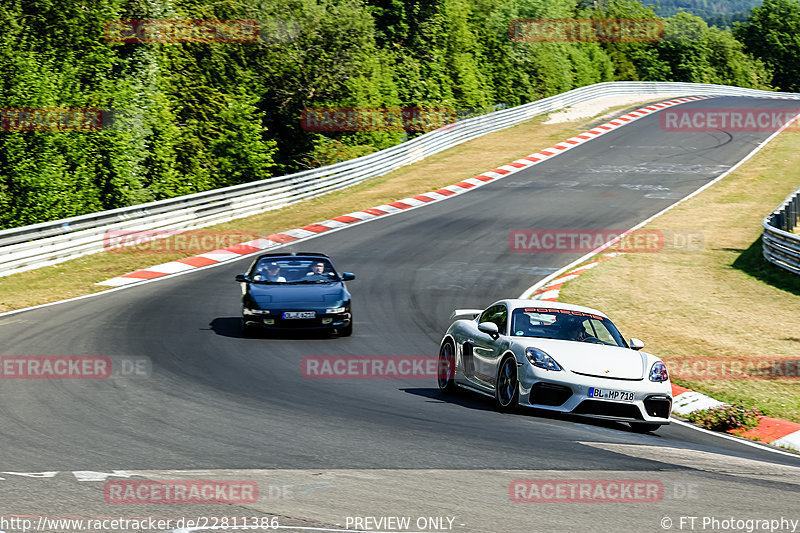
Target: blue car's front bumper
x: 275, y: 320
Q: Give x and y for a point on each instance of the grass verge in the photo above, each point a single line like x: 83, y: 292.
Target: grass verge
x: 721, y: 303
x: 78, y: 277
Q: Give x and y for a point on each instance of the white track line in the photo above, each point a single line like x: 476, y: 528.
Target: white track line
x: 740, y: 440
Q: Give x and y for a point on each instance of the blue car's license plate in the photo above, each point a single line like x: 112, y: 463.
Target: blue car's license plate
x: 299, y: 314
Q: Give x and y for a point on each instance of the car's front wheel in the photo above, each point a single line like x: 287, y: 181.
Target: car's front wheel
x: 447, y: 368
x: 506, y: 393
x: 346, y: 331
x: 246, y: 329
x: 644, y: 428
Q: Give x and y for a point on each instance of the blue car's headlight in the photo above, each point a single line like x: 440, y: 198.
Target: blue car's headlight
x: 334, y: 310
x: 541, y: 359
x: 658, y: 372
x: 250, y: 311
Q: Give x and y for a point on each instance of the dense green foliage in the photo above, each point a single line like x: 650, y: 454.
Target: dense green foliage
x: 772, y: 33
x: 196, y: 116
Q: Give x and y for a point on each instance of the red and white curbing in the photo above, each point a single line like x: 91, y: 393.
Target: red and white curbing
x: 774, y: 431
x: 549, y: 291
x: 300, y: 234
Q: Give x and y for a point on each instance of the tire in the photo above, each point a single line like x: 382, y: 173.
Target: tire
x: 447, y: 368
x: 506, y: 390
x: 644, y: 428
x: 346, y: 331
x: 246, y: 331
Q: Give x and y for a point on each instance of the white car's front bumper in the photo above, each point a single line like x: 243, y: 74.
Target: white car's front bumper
x: 567, y: 392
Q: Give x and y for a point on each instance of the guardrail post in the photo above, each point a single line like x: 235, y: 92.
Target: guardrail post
x: 780, y: 246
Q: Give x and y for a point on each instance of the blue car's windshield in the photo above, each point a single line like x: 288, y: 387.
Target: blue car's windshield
x: 563, y: 324
x: 280, y: 270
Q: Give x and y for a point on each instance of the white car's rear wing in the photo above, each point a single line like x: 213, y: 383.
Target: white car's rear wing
x: 465, y: 314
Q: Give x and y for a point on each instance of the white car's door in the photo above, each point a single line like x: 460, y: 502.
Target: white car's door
x: 483, y: 351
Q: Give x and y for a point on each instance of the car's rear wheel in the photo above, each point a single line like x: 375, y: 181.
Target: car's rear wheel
x: 644, y: 428
x: 446, y: 370
x: 506, y: 392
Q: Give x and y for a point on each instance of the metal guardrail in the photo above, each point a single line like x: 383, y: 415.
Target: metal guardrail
x: 781, y: 247
x: 48, y: 243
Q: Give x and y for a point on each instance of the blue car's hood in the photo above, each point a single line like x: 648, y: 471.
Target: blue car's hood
x: 321, y: 294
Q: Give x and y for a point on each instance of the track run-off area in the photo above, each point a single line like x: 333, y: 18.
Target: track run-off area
x: 217, y: 406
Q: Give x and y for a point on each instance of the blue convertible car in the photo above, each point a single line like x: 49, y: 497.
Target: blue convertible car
x: 295, y: 291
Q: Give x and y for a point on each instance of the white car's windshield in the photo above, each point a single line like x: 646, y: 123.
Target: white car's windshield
x: 563, y: 324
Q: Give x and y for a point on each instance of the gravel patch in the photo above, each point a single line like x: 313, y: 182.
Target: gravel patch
x: 591, y: 108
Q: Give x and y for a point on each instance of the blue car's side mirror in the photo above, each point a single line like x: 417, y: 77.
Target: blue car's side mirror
x: 241, y: 278
x: 347, y: 276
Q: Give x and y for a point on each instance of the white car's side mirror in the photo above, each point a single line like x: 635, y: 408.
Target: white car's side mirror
x: 490, y: 328
x: 636, y: 344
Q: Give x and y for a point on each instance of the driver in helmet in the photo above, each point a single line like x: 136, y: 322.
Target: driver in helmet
x: 572, y: 329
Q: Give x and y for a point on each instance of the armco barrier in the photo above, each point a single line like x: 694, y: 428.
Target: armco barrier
x: 781, y: 246
x: 48, y: 243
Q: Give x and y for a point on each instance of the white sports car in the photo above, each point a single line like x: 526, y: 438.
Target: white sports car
x: 558, y: 357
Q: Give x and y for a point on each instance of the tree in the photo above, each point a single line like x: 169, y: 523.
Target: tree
x: 772, y: 34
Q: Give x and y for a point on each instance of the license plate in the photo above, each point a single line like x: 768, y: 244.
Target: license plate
x: 608, y: 394
x: 299, y: 314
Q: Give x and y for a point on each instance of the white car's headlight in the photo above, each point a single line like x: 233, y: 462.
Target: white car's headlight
x: 248, y: 311
x: 334, y: 310
x: 658, y: 372
x: 541, y: 359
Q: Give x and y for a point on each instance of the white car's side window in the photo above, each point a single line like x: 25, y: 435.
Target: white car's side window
x: 498, y: 315
x: 602, y: 333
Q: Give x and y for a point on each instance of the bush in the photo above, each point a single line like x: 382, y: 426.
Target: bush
x: 329, y: 151
x: 726, y: 417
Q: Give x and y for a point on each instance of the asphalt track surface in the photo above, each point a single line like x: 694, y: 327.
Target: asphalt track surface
x: 217, y: 401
